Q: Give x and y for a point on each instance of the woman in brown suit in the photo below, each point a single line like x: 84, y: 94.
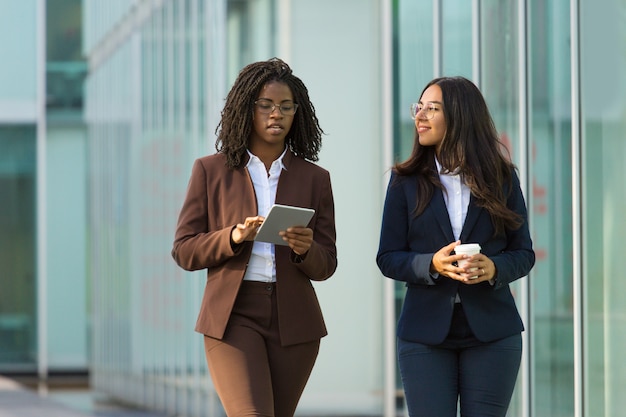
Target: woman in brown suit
x: 259, y: 314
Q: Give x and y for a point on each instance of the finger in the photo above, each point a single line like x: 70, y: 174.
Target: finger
x: 459, y: 277
x: 301, y: 246
x: 254, y: 220
x: 449, y: 248
x: 302, y: 231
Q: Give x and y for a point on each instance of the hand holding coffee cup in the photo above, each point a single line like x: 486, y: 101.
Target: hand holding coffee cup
x: 467, y: 249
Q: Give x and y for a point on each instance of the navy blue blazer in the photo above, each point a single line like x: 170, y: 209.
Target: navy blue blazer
x: 408, y: 243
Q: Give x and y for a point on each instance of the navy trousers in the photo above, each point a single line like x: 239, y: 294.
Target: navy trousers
x: 479, y: 376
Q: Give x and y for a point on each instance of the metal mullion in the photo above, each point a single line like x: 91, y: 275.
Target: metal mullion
x: 437, y: 38
x: 169, y: 358
x: 42, y: 205
x: 389, y: 315
x: 284, y: 29
x: 577, y: 267
x: 523, y: 143
x: 476, y: 43
x: 136, y: 87
x: 191, y: 144
x: 159, y: 124
x: 183, y: 397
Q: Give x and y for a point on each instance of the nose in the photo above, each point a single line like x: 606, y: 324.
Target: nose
x: 421, y: 114
x: 276, y: 112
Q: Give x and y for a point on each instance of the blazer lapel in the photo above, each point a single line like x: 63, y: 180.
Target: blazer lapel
x: 440, y: 211
x: 473, y: 212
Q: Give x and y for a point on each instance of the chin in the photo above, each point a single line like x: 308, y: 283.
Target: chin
x: 425, y: 142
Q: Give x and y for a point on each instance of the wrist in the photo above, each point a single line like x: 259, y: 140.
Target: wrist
x: 297, y: 258
x: 235, y: 236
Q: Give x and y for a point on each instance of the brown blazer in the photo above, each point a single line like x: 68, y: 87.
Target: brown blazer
x: 217, y: 199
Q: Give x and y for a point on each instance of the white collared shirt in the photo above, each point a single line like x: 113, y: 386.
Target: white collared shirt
x: 262, y: 266
x: 457, y: 197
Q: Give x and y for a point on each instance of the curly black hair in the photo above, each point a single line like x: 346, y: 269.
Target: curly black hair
x: 233, y: 131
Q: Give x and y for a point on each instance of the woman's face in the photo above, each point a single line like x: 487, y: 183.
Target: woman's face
x: 431, y: 131
x: 270, y: 127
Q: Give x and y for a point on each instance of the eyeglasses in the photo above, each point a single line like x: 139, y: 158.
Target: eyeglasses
x: 265, y: 106
x: 428, y: 111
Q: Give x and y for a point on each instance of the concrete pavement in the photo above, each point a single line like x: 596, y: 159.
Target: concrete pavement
x: 19, y: 401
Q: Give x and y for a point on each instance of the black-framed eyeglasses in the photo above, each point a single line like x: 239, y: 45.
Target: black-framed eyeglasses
x: 265, y: 106
x: 428, y: 110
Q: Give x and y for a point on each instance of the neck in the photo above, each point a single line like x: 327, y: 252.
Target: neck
x: 268, y: 155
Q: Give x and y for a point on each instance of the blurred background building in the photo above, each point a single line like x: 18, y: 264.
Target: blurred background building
x: 104, y: 105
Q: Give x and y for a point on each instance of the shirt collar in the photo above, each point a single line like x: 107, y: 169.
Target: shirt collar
x: 452, y: 174
x: 279, y: 159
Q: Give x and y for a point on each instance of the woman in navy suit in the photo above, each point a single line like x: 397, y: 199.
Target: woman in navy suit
x: 459, y: 333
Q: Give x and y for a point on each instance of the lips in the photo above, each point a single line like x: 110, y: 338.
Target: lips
x: 422, y: 129
x: 275, y: 127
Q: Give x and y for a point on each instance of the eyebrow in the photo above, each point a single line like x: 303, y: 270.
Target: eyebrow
x: 284, y: 101
x: 431, y: 102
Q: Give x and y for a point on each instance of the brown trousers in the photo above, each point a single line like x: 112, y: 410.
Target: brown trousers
x: 253, y: 374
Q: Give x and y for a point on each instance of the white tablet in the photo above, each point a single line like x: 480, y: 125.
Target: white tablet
x: 281, y: 217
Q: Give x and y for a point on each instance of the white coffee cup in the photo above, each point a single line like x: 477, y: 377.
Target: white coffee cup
x: 467, y: 249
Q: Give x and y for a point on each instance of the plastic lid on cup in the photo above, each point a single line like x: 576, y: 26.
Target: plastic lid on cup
x: 467, y: 248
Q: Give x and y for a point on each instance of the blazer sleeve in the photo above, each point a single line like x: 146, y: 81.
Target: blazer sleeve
x: 518, y: 257
x: 195, y: 246
x: 395, y: 258
x: 320, y: 261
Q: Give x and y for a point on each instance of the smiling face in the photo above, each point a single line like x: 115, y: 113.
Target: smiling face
x: 431, y: 131
x: 270, y: 130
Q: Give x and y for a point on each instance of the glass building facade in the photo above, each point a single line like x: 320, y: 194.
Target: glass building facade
x: 105, y: 105
x: 43, y: 285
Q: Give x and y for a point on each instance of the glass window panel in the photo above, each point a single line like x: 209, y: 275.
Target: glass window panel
x: 66, y: 317
x: 250, y: 34
x: 499, y: 67
x: 414, y: 62
x: 18, y: 275
x: 603, y: 87
x: 550, y: 208
x: 457, y: 38
x: 64, y: 30
x: 18, y: 78
x: 65, y: 69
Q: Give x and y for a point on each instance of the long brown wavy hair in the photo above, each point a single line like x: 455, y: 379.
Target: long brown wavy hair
x: 472, y: 148
x: 233, y: 131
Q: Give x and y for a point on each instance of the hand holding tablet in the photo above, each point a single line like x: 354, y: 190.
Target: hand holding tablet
x: 282, y: 217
